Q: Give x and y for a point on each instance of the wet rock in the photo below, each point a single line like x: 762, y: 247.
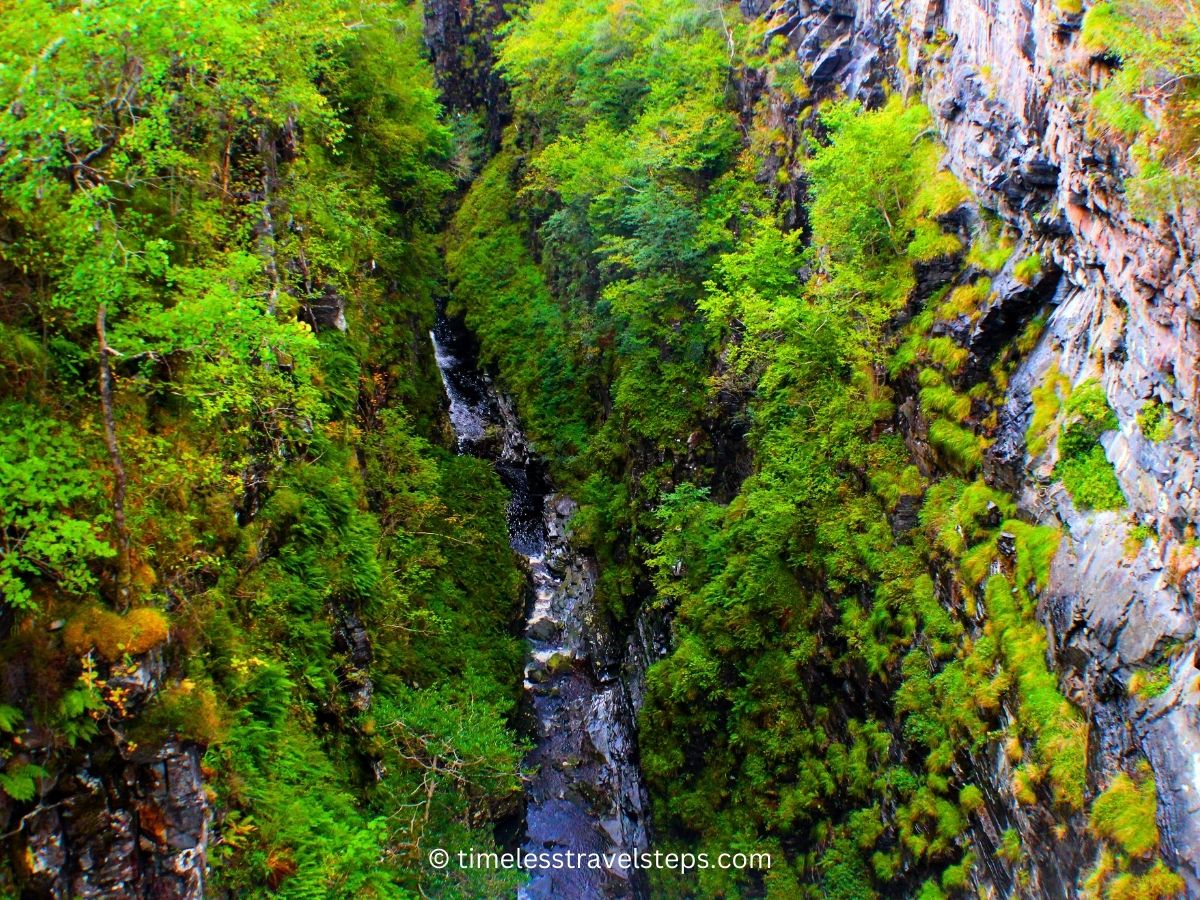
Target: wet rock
x: 136, y: 829
x: 906, y: 516
x: 831, y: 60
x: 1125, y: 309
x: 585, y: 793
x: 1009, y: 306
x: 351, y: 639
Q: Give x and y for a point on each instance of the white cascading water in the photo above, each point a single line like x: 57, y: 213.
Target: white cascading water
x: 584, y: 795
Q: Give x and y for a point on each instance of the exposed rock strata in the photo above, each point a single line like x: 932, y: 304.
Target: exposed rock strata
x: 1008, y: 83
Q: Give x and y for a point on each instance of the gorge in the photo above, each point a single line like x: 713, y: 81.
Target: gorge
x: 600, y: 427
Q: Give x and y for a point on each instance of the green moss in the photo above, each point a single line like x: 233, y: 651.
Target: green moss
x: 1157, y: 883
x: 1090, y: 480
x: 1125, y: 813
x: 947, y: 354
x: 1028, y: 269
x: 188, y: 710
x: 114, y: 636
x: 1151, y: 98
x: 1048, y: 398
x: 970, y: 798
x: 1036, y: 548
x: 1137, y: 537
x: 962, y: 448
x: 955, y: 512
x: 940, y: 194
x: 943, y: 400
x: 965, y: 300
x: 1061, y: 731
x: 1010, y: 845
x: 1082, y: 465
x: 956, y: 878
x: 1152, y: 683
x: 1156, y: 422
x: 991, y: 248
x: 930, y: 242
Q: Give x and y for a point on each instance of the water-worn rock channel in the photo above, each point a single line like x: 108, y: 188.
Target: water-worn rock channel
x: 584, y: 793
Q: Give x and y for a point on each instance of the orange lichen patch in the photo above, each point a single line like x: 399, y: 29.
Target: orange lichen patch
x: 152, y: 823
x: 113, y: 635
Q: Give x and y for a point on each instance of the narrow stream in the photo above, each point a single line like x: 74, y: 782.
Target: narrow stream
x: 584, y: 795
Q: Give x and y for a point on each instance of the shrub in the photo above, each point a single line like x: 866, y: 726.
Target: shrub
x: 44, y: 482
x: 1090, y: 480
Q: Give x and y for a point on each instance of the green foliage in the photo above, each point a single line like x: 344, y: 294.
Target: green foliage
x: 965, y: 300
x: 236, y: 182
x: 1048, y: 398
x: 962, y: 448
x: 1156, y: 421
x: 970, y: 798
x: 1151, y: 684
x: 48, y: 515
x: 864, y: 225
x: 496, y: 282
x: 1154, y: 95
x: 1156, y: 883
x: 1082, y: 465
x: 1010, y: 845
x: 1028, y: 269
x: 20, y: 781
x: 1060, y: 729
x: 991, y: 248
x: 1078, y: 416
x: 1090, y: 480
x: 114, y: 636
x: 1125, y: 813
x: 1138, y: 535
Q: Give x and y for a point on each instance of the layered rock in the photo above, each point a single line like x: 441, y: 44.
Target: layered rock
x: 121, y: 820
x: 1008, y: 83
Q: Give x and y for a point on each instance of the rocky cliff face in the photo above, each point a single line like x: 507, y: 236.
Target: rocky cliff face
x: 1008, y: 83
x: 118, y: 819
x: 460, y: 37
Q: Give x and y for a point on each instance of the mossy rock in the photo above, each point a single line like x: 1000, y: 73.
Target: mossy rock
x: 113, y: 635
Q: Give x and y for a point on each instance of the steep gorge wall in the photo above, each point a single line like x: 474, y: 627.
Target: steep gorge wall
x: 1009, y: 85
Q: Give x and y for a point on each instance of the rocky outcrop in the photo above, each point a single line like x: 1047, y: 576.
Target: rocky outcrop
x: 1009, y: 90
x: 461, y: 39
x: 1008, y: 82
x: 118, y: 819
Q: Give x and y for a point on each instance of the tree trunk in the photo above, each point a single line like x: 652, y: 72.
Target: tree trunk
x: 124, y: 564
